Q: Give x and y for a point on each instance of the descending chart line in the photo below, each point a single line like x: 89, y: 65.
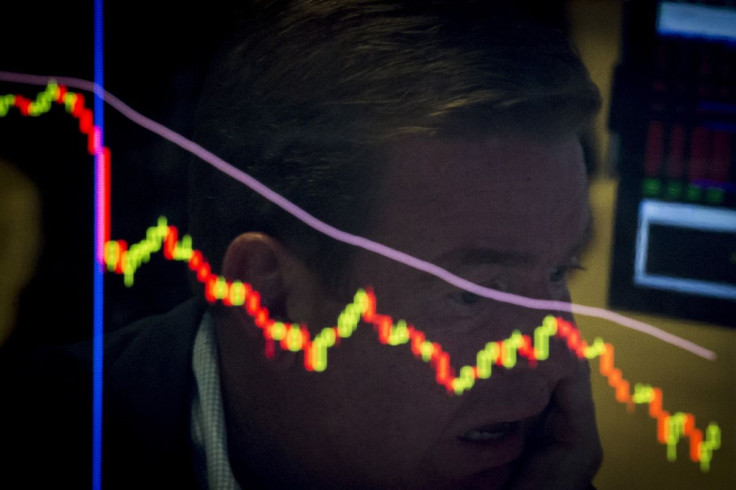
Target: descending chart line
x: 364, y: 243
x: 125, y: 260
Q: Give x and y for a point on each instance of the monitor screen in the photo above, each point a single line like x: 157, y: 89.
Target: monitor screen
x: 686, y: 248
x: 700, y: 21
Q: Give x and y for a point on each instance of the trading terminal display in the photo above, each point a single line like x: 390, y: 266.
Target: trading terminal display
x: 674, y: 113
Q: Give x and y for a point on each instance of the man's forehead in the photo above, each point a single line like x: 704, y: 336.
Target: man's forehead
x: 477, y: 147
x: 438, y: 175
x: 484, y: 201
x: 491, y: 254
x: 458, y: 166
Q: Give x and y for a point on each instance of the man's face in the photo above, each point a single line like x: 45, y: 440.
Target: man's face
x: 509, y: 214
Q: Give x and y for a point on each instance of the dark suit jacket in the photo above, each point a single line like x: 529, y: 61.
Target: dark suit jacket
x: 148, y: 384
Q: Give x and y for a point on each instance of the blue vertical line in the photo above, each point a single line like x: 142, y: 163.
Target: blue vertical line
x: 99, y: 291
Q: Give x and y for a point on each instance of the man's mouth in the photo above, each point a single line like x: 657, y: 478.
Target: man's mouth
x: 484, y: 451
x: 491, y: 433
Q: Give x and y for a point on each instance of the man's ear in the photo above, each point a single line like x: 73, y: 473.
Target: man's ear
x: 287, y: 287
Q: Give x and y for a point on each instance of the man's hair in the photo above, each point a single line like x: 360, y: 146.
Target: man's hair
x: 306, y: 96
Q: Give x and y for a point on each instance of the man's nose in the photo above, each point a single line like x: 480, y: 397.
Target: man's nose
x: 541, y: 338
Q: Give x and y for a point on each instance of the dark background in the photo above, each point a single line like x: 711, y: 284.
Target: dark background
x: 154, y: 58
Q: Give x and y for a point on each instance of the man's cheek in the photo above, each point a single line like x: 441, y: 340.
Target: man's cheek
x: 562, y: 362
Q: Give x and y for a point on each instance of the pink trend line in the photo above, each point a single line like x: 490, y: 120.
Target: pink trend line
x: 364, y: 243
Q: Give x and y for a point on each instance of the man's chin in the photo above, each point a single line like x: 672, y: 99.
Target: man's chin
x: 491, y: 479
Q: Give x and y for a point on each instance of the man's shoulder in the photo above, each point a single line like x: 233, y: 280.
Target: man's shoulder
x: 148, y: 363
x: 147, y: 389
x: 162, y: 338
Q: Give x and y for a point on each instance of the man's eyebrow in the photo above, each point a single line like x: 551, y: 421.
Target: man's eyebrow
x: 486, y: 255
x: 482, y: 255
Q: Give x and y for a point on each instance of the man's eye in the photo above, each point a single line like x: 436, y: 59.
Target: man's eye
x: 468, y: 298
x: 464, y: 299
x: 559, y: 273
